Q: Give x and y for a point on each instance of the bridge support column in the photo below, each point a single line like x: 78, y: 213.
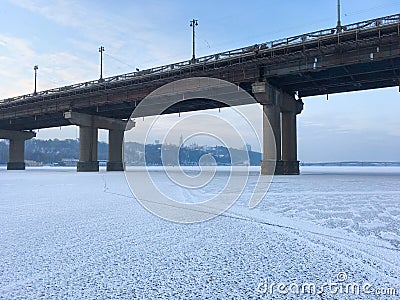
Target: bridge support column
x: 283, y: 127
x: 115, y: 142
x: 273, y: 119
x: 16, y: 150
x: 88, y: 149
x: 88, y: 125
x: 269, y: 98
x: 289, y: 144
x: 290, y: 108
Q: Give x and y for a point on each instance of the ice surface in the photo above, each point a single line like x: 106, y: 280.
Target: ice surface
x: 68, y: 235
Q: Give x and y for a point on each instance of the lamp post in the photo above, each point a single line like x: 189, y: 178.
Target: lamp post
x: 339, y: 23
x: 193, y: 24
x: 35, y: 68
x: 101, y: 50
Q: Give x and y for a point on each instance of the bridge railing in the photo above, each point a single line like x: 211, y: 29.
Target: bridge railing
x: 226, y: 55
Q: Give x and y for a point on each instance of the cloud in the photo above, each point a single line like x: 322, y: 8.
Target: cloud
x: 130, y: 37
x: 16, y: 54
x: 130, y: 31
x: 55, y: 68
x: 59, y: 11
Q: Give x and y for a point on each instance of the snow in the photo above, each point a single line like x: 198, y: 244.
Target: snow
x: 69, y: 235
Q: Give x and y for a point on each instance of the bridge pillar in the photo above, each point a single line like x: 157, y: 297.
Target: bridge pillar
x: 88, y: 126
x: 88, y: 149
x: 269, y: 98
x: 115, y: 141
x: 283, y: 127
x: 289, y: 144
x: 16, y: 150
x: 290, y: 108
x: 273, y: 114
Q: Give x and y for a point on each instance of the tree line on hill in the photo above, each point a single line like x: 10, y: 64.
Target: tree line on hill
x: 59, y: 152
x: 50, y: 152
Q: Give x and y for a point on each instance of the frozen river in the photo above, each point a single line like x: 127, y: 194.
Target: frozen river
x: 68, y: 235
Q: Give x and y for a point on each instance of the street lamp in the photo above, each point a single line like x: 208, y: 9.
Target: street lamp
x: 101, y: 50
x: 339, y: 24
x: 193, y: 24
x: 35, y: 68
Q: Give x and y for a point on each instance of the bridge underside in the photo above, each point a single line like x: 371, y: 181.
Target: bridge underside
x: 348, y: 78
x: 110, y: 110
x: 368, y: 75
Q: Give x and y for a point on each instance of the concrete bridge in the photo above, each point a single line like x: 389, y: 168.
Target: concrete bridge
x: 278, y: 74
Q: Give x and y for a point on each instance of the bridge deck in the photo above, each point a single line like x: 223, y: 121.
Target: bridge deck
x: 359, y: 56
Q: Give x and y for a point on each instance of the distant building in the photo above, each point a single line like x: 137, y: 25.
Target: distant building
x: 32, y: 163
x: 68, y: 162
x: 247, y: 147
x: 180, y: 141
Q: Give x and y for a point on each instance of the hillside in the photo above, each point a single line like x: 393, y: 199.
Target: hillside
x: 66, y: 152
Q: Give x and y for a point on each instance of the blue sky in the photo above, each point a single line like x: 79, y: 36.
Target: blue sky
x: 63, y: 37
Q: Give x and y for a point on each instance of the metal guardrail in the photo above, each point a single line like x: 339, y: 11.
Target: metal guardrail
x: 271, y: 45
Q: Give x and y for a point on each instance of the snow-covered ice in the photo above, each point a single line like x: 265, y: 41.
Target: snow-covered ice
x: 68, y: 235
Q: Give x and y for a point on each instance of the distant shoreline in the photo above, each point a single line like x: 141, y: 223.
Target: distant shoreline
x: 352, y: 164
x: 302, y: 164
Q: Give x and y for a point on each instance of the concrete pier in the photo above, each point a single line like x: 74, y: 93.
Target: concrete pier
x: 88, y: 161
x: 280, y: 109
x: 88, y: 129
x: 115, y: 142
x: 290, y: 108
x: 273, y: 119
x: 289, y: 144
x: 16, y: 150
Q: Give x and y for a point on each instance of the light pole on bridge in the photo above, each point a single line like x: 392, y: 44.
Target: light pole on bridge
x: 339, y: 23
x: 101, y: 50
x: 193, y: 24
x: 35, y: 68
